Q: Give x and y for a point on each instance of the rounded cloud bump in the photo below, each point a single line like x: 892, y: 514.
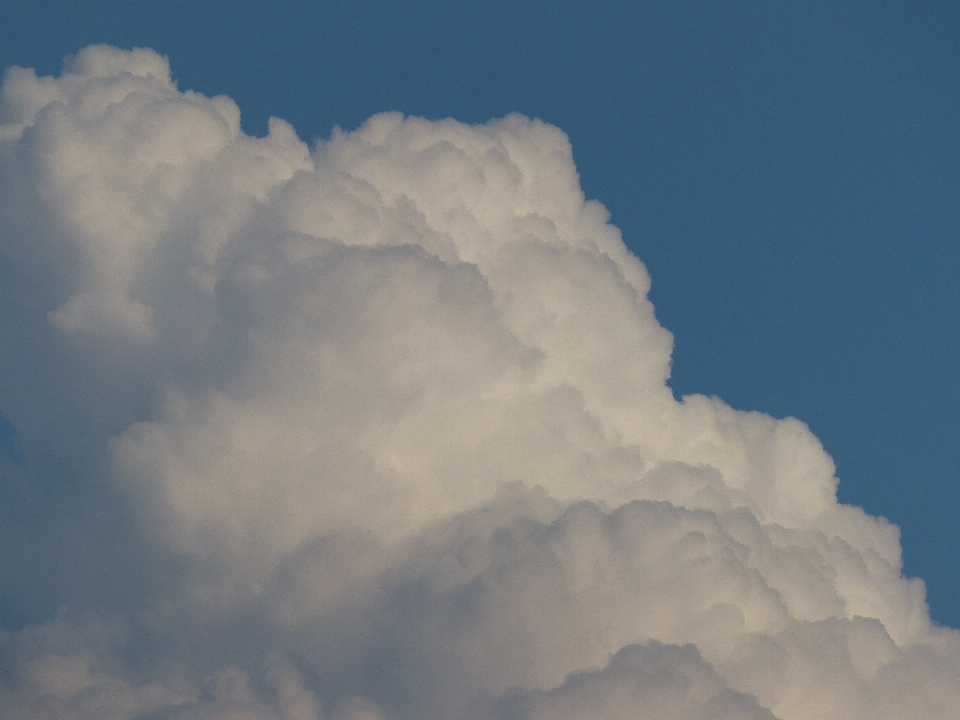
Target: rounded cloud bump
x: 381, y: 429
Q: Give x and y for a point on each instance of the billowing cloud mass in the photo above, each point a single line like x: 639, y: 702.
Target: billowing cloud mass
x: 380, y: 429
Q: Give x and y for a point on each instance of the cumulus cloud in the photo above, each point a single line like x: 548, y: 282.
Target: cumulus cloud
x: 381, y: 429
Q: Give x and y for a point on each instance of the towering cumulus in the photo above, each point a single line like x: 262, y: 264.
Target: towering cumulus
x: 381, y: 429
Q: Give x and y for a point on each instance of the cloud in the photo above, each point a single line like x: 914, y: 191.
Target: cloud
x: 381, y: 429
x: 656, y: 681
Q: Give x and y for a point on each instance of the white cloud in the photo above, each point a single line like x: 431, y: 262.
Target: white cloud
x: 381, y: 429
x: 658, y: 681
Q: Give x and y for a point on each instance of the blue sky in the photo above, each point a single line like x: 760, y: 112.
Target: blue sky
x: 788, y: 172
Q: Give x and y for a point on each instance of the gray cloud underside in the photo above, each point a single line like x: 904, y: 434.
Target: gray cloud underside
x: 381, y: 429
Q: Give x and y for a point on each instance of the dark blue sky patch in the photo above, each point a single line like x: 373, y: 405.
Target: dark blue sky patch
x: 8, y: 440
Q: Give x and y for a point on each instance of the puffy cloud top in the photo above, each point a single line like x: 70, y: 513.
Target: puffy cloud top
x: 381, y: 429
